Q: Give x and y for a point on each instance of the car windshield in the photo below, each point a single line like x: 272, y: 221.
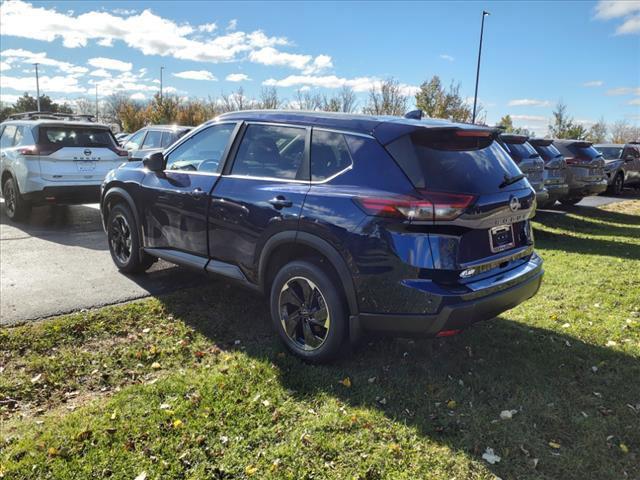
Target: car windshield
x: 447, y: 162
x: 75, y: 137
x: 611, y: 153
x: 548, y: 152
x: 521, y: 151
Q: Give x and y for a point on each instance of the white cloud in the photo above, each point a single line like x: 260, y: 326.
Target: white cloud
x: 196, y: 75
x: 138, y: 96
x: 359, y: 84
x: 100, y: 72
x: 122, y: 82
x: 529, y: 118
x: 148, y: 33
x: 447, y: 57
x: 57, y: 84
x: 630, y: 26
x: 624, y: 91
x: 593, y: 83
x: 26, y: 56
x: 207, y: 27
x: 8, y: 98
x: 306, y: 63
x: 4, y: 66
x: 237, y: 77
x: 635, y: 101
x: 110, y: 64
x: 607, y: 9
x: 233, y: 24
x: 528, y: 102
x: 628, y: 10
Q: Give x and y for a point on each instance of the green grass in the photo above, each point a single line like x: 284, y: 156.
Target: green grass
x: 195, y: 385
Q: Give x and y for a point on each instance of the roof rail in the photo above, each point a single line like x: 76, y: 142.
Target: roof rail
x: 51, y: 116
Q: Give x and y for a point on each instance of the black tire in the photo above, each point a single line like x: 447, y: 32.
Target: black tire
x: 325, y: 331
x: 16, y: 207
x: 124, y: 241
x: 570, y: 201
x: 617, y: 185
x: 547, y: 204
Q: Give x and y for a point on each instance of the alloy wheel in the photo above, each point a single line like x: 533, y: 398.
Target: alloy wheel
x: 617, y: 184
x: 10, y: 199
x: 304, y: 313
x: 120, y: 238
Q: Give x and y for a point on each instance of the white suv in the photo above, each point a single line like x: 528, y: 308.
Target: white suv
x: 51, y: 158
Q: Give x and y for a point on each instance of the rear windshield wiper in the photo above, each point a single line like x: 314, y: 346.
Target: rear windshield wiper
x: 510, y: 180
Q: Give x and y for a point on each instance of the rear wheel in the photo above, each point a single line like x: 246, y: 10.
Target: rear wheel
x: 308, y: 312
x: 547, y: 204
x: 569, y: 202
x: 124, y: 241
x: 617, y: 185
x: 16, y: 207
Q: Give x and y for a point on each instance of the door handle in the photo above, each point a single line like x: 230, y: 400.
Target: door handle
x: 197, y: 193
x: 280, y: 202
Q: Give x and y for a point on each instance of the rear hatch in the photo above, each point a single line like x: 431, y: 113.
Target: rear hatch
x: 584, y: 161
x: 481, y: 202
x: 77, y: 152
x: 554, y: 163
x: 527, y: 158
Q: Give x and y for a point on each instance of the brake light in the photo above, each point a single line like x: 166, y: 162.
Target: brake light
x: 473, y: 133
x: 28, y: 150
x: 447, y: 333
x: 431, y: 206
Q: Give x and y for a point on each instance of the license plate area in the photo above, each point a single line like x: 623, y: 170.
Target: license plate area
x: 501, y: 238
x: 86, y: 166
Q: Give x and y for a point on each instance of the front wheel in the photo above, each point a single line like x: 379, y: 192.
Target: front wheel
x: 308, y: 312
x: 16, y: 207
x: 124, y: 241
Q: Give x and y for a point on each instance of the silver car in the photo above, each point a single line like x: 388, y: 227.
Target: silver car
x: 621, y: 165
x: 52, y: 158
x: 153, y: 138
x: 555, y: 170
x: 529, y: 162
x: 585, y: 174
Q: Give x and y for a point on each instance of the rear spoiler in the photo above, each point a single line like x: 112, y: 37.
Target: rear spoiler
x: 540, y: 142
x: 513, y: 138
x: 387, y: 132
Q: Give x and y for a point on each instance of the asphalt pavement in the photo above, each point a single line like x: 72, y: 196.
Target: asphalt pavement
x: 58, y: 262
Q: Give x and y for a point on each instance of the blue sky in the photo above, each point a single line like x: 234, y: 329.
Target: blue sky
x: 535, y: 53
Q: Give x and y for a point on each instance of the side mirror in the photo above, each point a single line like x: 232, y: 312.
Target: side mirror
x: 154, y: 162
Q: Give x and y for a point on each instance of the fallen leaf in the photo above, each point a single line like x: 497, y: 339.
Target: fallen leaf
x: 346, y: 381
x: 507, y: 414
x: 490, y: 456
x: 624, y: 448
x: 224, y: 439
x: 52, y: 451
x: 155, y: 366
x: 611, y: 343
x: 141, y: 476
x: 451, y: 404
x: 371, y: 379
x: 275, y: 464
x: 36, y: 379
x: 555, y: 445
x: 146, y: 330
x: 395, y: 449
x: 165, y: 406
x: 177, y: 423
x: 250, y: 470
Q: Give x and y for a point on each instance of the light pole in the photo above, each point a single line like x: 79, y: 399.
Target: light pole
x: 37, y: 86
x: 475, y: 97
x: 96, y: 102
x: 161, y: 69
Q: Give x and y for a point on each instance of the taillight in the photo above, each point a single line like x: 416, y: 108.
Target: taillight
x: 119, y: 151
x: 28, y: 150
x: 431, y: 206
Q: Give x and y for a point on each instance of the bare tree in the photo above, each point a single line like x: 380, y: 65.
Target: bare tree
x: 235, y: 101
x: 343, y: 101
x: 269, y: 99
x: 113, y: 105
x: 308, y: 101
x: 598, y: 132
x: 623, y: 132
x: 84, y: 106
x: 386, y: 99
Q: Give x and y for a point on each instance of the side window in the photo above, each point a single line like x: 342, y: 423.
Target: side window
x: 203, y: 151
x: 135, y: 141
x: 17, y: 140
x: 7, y: 136
x: 168, y: 138
x: 153, y: 139
x: 329, y: 154
x: 270, y: 151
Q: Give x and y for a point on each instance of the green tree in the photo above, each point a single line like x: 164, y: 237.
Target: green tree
x: 563, y: 125
x: 438, y: 102
x: 506, y: 123
x: 598, y: 132
x: 27, y: 103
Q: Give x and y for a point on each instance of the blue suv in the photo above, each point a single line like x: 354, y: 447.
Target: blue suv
x: 347, y: 223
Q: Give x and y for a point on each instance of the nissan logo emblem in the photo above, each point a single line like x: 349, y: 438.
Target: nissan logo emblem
x: 87, y: 153
x: 514, y: 203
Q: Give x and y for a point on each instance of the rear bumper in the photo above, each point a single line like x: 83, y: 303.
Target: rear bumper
x: 542, y: 195
x: 485, y: 300
x: 66, y: 195
x: 583, y: 189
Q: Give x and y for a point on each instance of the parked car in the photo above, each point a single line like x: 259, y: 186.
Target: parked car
x: 621, y: 165
x: 122, y: 137
x: 528, y: 160
x: 585, y: 169
x: 555, y: 170
x: 153, y: 138
x: 347, y: 223
x: 49, y: 158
